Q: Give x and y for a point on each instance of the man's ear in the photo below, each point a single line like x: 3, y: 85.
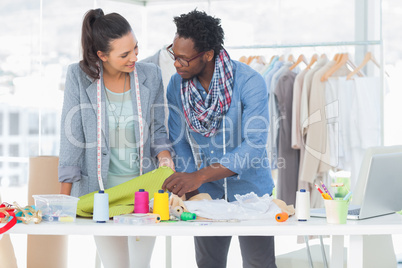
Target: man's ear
x: 210, y: 55
x: 101, y: 55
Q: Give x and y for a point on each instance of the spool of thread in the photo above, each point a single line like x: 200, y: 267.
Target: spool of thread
x: 161, y: 205
x: 302, y: 205
x: 177, y: 211
x: 101, y: 207
x: 188, y: 216
x: 281, y: 217
x: 141, y: 201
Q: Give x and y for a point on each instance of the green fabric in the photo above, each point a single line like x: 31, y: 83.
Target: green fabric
x: 121, y: 197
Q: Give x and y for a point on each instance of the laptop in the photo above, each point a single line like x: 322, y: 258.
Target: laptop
x: 379, y: 185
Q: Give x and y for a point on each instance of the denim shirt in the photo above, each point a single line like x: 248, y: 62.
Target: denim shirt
x: 246, y: 134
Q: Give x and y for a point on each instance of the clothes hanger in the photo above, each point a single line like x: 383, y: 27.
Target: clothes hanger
x: 368, y: 57
x: 314, y: 58
x: 262, y: 60
x: 353, y: 67
x: 243, y: 59
x: 272, y: 58
x: 300, y: 59
x: 337, y: 57
x: 342, y: 60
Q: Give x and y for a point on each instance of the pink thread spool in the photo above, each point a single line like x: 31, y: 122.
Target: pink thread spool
x: 141, y: 201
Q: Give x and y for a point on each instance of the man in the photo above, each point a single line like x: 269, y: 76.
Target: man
x: 218, y: 113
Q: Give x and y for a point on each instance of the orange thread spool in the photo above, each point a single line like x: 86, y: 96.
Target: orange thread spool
x: 281, y: 217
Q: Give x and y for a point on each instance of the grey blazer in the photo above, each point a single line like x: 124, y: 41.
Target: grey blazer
x: 78, y: 143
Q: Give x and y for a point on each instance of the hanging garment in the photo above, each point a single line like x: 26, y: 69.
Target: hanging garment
x: 333, y: 104
x: 365, y: 128
x: 268, y: 78
x: 316, y: 132
x: 368, y: 90
x: 296, y: 140
x: 274, y: 115
x: 288, y: 158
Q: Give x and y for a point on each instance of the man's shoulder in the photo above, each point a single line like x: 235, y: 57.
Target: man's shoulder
x: 243, y: 72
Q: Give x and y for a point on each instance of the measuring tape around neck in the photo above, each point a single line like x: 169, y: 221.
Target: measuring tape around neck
x: 99, y: 127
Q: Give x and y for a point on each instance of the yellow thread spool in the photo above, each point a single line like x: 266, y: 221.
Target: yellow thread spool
x: 161, y: 205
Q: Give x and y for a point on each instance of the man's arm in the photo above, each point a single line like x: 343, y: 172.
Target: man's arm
x: 181, y: 183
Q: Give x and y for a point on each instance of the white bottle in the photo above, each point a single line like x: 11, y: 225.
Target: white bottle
x: 302, y: 205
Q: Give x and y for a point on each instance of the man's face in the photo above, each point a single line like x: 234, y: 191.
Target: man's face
x: 184, y: 48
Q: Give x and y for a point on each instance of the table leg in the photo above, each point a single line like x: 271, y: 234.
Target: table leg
x: 337, y: 257
x: 168, y: 252
x: 355, y: 252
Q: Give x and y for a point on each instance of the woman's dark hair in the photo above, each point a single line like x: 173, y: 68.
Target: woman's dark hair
x: 205, y: 31
x: 98, y: 31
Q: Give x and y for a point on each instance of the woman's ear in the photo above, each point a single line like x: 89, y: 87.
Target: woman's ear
x: 101, y: 55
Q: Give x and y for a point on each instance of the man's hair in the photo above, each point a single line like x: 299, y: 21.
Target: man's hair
x: 205, y: 31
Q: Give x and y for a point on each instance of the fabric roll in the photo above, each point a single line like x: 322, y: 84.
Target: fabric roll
x: 43, y: 179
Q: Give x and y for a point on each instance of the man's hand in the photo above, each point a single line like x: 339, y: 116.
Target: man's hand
x: 181, y: 183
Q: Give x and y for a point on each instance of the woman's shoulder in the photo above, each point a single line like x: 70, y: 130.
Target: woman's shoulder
x: 147, y: 67
x: 75, y: 69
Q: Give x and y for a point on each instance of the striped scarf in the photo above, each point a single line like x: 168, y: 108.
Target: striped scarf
x: 204, y: 117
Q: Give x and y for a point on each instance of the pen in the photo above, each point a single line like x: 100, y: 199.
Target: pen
x: 326, y: 190
x: 347, y: 196
x: 318, y: 188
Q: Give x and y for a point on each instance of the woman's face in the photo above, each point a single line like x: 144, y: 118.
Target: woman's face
x: 123, y: 54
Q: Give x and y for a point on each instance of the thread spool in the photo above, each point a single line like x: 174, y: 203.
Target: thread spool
x: 141, y: 201
x: 101, y: 207
x: 161, y: 205
x: 281, y: 217
x: 177, y: 211
x: 188, y: 216
x: 302, y: 205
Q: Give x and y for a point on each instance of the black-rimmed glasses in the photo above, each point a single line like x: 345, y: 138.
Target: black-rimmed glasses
x: 183, y: 62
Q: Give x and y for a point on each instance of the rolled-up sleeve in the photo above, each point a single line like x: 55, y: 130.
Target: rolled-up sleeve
x: 69, y: 174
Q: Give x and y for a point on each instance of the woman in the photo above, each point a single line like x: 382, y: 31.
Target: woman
x: 129, y: 148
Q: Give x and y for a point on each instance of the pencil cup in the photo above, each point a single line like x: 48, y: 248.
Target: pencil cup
x: 336, y: 210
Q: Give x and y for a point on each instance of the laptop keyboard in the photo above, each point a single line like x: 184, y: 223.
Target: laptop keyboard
x: 355, y: 211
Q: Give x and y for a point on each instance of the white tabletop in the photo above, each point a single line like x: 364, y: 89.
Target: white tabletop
x: 390, y: 224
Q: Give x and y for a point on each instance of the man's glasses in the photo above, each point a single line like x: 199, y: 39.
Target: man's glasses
x: 183, y: 62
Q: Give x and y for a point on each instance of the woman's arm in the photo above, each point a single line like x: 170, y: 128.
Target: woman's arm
x: 165, y: 159
x: 66, y: 188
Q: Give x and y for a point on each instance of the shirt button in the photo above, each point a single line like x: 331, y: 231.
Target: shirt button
x: 212, y: 152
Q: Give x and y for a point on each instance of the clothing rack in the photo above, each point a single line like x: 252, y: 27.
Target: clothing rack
x: 324, y: 44
x: 337, y: 44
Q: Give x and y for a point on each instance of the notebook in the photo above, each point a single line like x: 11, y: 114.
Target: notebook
x: 379, y: 185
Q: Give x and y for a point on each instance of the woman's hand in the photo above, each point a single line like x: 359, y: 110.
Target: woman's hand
x: 165, y: 160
